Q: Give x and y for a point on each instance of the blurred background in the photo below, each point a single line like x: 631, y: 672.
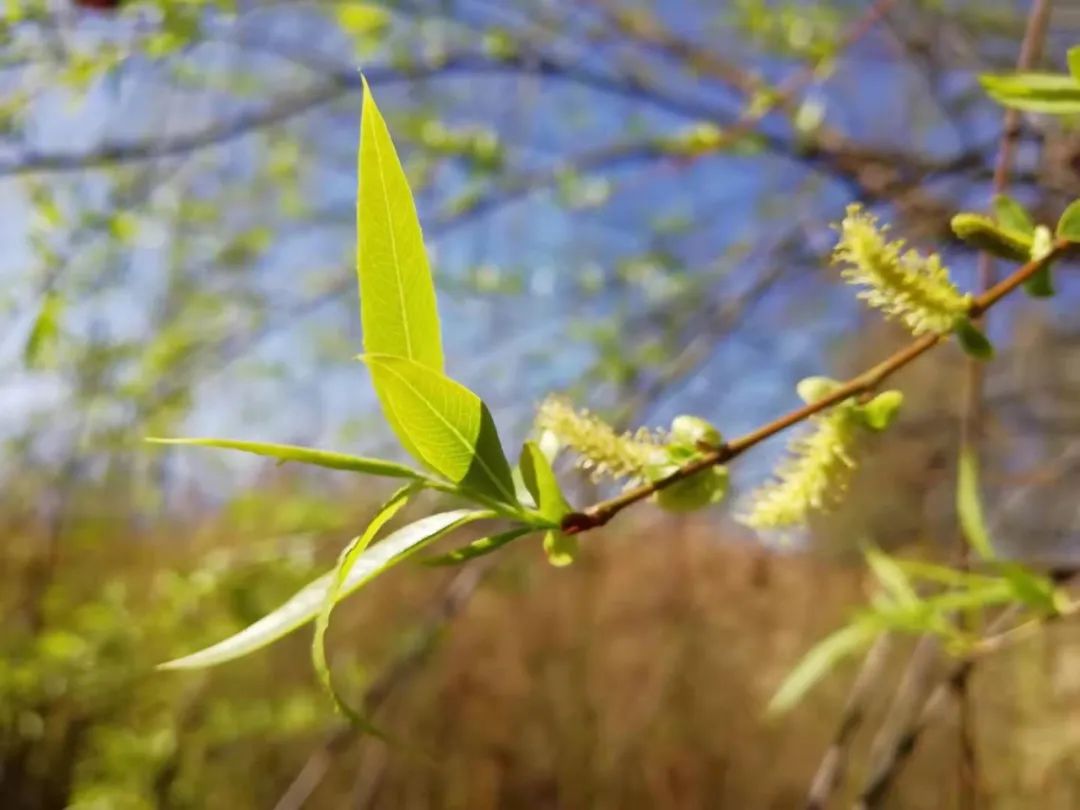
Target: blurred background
x: 628, y: 201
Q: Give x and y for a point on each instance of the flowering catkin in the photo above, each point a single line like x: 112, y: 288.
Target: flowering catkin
x: 814, y: 477
x: 601, y: 451
x: 902, y: 284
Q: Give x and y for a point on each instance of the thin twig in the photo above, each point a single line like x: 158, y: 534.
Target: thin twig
x: 600, y: 513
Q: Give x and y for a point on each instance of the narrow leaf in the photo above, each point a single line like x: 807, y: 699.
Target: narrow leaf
x: 444, y: 424
x: 1051, y: 93
x: 478, y: 548
x: 397, y: 295
x: 1068, y: 226
x: 891, y: 576
x: 340, y: 574
x: 817, y: 663
x: 305, y: 604
x: 303, y: 455
x: 969, y: 504
x: 972, y: 340
x: 1074, y: 62
x: 542, y: 484
x: 1012, y: 215
x: 44, y: 332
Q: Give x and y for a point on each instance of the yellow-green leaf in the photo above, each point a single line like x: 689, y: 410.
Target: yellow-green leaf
x: 341, y: 572
x: 542, y: 484
x: 478, y: 548
x: 561, y: 549
x: 306, y: 603
x: 444, y: 424
x: 397, y: 295
x: 304, y: 455
x: 969, y: 504
x: 1068, y: 226
x: 817, y: 663
x: 44, y: 332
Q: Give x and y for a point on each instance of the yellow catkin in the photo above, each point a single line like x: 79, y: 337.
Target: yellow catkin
x: 903, y: 284
x: 601, y: 451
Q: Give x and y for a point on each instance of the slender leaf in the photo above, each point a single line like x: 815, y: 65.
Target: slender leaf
x: 303, y: 455
x: 1012, y: 215
x: 478, y: 548
x: 305, y: 604
x: 444, y: 424
x: 44, y: 332
x: 817, y: 663
x: 1052, y: 93
x: 1074, y: 62
x: 397, y: 295
x: 969, y: 504
x: 892, y: 576
x: 340, y: 574
x: 1068, y: 226
x: 542, y: 484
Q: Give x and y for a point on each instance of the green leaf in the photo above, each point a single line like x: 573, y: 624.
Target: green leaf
x: 1012, y: 215
x: 880, y: 412
x: 397, y: 295
x: 45, y: 331
x: 1074, y: 62
x: 1053, y: 93
x: 817, y: 663
x: 306, y: 603
x: 972, y: 340
x: 444, y: 424
x: 542, y: 484
x: 561, y: 549
x: 1034, y: 590
x: 478, y: 548
x: 969, y: 504
x: 1068, y: 226
x: 346, y: 561
x: 303, y: 455
x: 892, y: 577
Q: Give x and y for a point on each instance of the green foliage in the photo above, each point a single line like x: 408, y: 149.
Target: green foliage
x: 972, y: 339
x: 969, y: 504
x: 819, y: 662
x: 478, y: 548
x: 40, y: 345
x: 1068, y: 226
x: 985, y: 234
x: 541, y: 483
x: 1052, y: 93
x: 306, y: 604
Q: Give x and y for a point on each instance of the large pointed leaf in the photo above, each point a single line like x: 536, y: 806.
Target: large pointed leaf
x: 345, y: 564
x: 542, y: 484
x: 444, y: 424
x: 304, y: 455
x: 305, y: 604
x: 397, y: 296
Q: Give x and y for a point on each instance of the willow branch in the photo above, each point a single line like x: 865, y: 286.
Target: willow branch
x: 600, y: 513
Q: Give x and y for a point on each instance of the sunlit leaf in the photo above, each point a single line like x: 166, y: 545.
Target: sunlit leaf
x: 969, y: 504
x: 892, y: 576
x: 985, y: 234
x: 444, y: 424
x: 1012, y: 215
x: 1068, y: 226
x: 397, y: 296
x: 561, y: 549
x: 303, y: 455
x: 43, y: 334
x: 817, y: 663
x: 1052, y: 93
x: 1074, y: 62
x: 306, y: 603
x: 478, y: 548
x: 542, y: 484
x: 338, y: 577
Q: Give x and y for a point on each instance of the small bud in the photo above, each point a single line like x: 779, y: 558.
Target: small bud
x: 972, y: 340
x: 696, y: 492
x: 982, y: 232
x: 561, y: 549
x: 694, y: 431
x: 814, y: 389
x: 880, y: 412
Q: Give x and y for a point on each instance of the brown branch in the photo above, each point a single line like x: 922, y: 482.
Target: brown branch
x: 600, y: 513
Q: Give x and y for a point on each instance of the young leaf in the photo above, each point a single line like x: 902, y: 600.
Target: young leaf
x: 817, y: 663
x: 304, y: 455
x: 561, y: 549
x: 1052, y: 93
x: 972, y: 340
x: 1012, y: 215
x: 338, y: 577
x: 1068, y: 226
x: 444, y: 424
x: 44, y: 332
x: 478, y: 548
x: 397, y: 296
x: 969, y: 504
x: 892, y: 577
x: 305, y: 604
x: 1074, y: 62
x: 540, y: 480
